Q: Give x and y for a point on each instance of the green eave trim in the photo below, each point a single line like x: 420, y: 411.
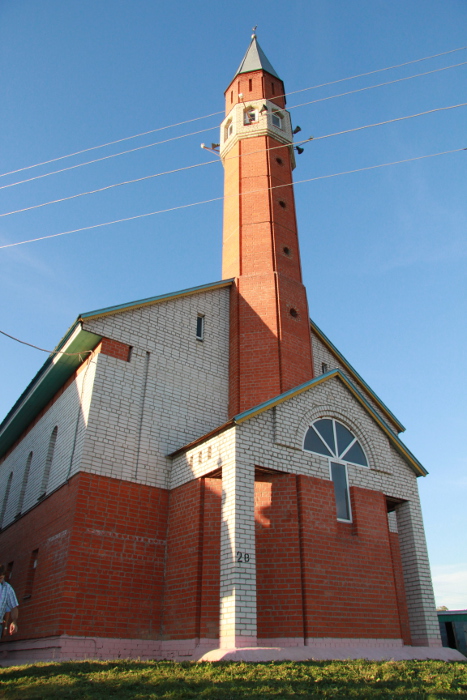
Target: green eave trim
x: 90, y: 315
x: 338, y: 374
x: 333, y: 374
x: 332, y: 348
x: 56, y: 370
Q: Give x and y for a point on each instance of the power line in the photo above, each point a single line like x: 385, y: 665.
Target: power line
x: 214, y: 114
x: 113, y: 155
x: 197, y: 165
x: 371, y: 87
x: 51, y: 352
x: 194, y: 133
x: 218, y: 199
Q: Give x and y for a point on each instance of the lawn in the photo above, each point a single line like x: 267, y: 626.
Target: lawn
x: 135, y: 680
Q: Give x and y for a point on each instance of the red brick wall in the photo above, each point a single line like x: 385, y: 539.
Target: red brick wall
x: 191, y: 600
x: 278, y: 573
x: 261, y: 251
x: 262, y: 86
x: 349, y: 587
x: 100, y: 566
x: 115, y: 348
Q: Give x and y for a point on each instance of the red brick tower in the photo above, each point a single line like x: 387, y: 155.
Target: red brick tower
x: 270, y: 342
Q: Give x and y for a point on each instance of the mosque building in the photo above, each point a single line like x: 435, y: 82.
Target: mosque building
x: 203, y: 472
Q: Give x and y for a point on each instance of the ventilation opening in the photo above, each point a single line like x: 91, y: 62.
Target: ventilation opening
x: 282, y: 204
x: 293, y: 312
x: 286, y: 251
x: 279, y: 161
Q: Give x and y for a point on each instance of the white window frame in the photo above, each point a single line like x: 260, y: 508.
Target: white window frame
x: 229, y: 129
x: 345, y: 465
x: 200, y: 336
x: 279, y: 116
x: 247, y: 119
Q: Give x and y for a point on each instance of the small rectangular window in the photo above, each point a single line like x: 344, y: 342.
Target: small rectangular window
x: 250, y: 84
x: 324, y: 368
x: 273, y: 88
x: 200, y: 327
x: 277, y: 120
x: 341, y: 491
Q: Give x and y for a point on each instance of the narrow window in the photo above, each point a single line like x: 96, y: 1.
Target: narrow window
x: 24, y: 484
x: 209, y: 452
x: 48, y: 462
x: 324, y: 368
x: 238, y: 88
x: 273, y: 88
x: 200, y: 457
x: 228, y: 129
x: 31, y: 573
x: 341, y: 491
x: 200, y: 327
x: 250, y: 84
x: 9, y: 571
x: 231, y: 96
x: 5, y: 499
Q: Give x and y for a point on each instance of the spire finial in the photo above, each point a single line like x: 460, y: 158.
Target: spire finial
x: 253, y: 36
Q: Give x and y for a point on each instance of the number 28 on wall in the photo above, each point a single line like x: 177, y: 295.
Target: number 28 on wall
x: 243, y: 558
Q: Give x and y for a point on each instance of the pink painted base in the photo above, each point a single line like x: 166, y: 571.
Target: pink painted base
x: 285, y: 649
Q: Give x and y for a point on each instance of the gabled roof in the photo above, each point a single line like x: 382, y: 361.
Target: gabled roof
x: 355, y: 375
x: 240, y: 418
x: 69, y: 354
x: 255, y: 59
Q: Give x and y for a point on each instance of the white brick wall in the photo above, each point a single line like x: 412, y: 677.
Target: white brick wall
x: 322, y: 354
x: 174, y: 389
x: 70, y: 414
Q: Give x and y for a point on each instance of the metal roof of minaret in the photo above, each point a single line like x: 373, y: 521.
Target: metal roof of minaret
x: 255, y: 59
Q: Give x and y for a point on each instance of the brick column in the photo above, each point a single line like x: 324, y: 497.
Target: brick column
x: 238, y: 567
x: 421, y: 607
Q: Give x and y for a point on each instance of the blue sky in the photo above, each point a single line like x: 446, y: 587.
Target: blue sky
x: 383, y: 251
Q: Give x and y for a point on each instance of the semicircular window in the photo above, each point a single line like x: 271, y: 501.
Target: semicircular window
x: 328, y: 437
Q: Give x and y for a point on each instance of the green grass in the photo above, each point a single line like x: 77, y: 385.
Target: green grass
x: 134, y: 680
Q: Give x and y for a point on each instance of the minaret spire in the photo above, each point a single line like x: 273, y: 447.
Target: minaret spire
x: 270, y: 344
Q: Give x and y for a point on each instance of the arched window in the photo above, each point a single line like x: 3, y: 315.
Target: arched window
x: 5, y: 499
x: 48, y: 462
x: 328, y: 437
x: 331, y: 439
x: 24, y: 484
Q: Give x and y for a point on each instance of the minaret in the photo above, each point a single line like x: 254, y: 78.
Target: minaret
x: 270, y: 342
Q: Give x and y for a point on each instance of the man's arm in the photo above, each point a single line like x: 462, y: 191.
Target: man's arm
x: 13, y: 618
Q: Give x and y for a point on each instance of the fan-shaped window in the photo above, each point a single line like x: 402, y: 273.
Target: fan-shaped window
x: 328, y: 437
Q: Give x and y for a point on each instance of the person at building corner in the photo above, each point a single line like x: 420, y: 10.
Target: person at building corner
x: 8, y: 601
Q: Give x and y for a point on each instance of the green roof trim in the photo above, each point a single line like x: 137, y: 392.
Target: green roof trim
x: 356, y: 375
x: 255, y: 59
x: 55, y: 371
x: 403, y: 450
x: 240, y: 418
x: 89, y: 315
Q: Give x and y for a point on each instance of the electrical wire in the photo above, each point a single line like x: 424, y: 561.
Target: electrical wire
x: 202, y: 131
x: 371, y: 87
x: 218, y: 199
x: 51, y: 352
x: 214, y: 114
x: 113, y: 155
x: 197, y: 165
